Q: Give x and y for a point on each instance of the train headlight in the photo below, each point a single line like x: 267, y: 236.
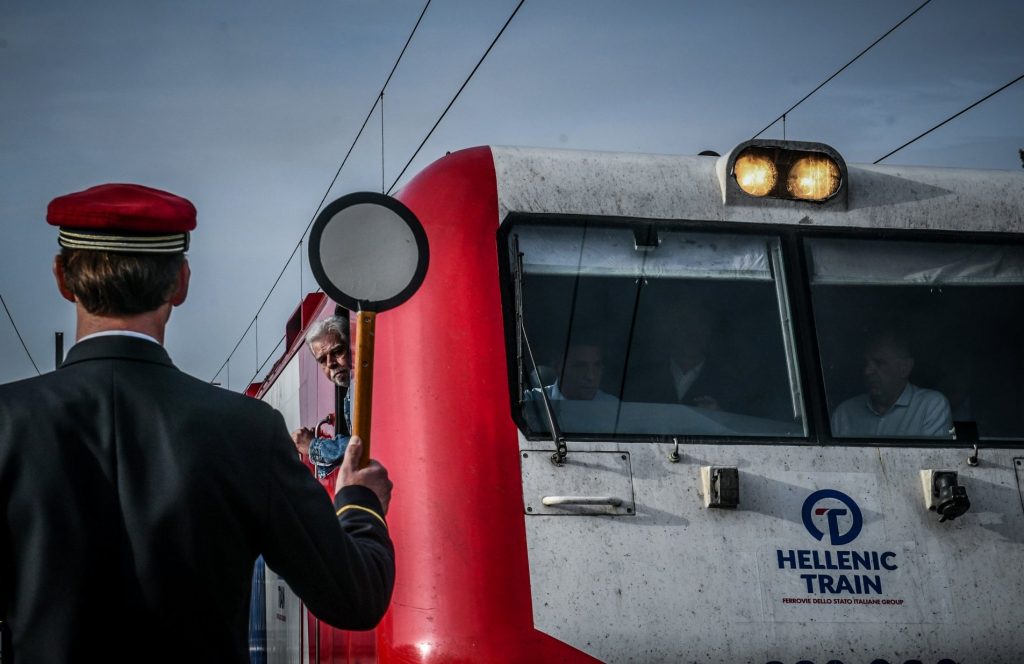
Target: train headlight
x: 756, y: 173
x: 813, y: 178
x: 794, y: 171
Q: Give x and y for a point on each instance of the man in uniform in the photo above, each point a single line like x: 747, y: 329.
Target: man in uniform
x: 135, y: 498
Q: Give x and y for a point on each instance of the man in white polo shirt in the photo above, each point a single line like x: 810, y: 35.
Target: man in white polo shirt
x: 892, y: 407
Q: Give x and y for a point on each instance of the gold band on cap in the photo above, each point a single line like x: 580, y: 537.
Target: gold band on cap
x: 174, y: 243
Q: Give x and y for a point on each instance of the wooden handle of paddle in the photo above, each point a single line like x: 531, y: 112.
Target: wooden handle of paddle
x: 362, y: 400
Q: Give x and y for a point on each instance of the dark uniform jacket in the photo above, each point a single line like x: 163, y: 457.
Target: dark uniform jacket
x: 752, y: 392
x: 653, y: 382
x: 134, y: 500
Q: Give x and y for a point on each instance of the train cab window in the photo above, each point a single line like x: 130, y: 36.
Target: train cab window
x: 914, y: 336
x: 641, y: 330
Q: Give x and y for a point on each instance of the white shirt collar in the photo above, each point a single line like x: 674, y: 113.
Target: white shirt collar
x: 684, y: 380
x: 904, y: 399
x: 119, y: 333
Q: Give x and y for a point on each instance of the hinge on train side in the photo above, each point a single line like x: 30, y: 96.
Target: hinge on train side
x: 561, y: 451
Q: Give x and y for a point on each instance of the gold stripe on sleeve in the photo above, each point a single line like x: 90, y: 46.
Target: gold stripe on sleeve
x: 345, y: 508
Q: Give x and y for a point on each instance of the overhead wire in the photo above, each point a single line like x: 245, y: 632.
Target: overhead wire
x: 841, y: 69
x: 377, y: 99
x: 15, y: 326
x: 952, y: 117
x: 267, y: 360
x: 459, y: 92
x: 258, y: 311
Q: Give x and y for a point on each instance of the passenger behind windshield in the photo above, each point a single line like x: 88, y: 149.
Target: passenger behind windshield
x: 892, y: 406
x: 683, y: 373
x: 578, y: 376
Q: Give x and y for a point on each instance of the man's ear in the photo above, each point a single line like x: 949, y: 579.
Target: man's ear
x: 181, y: 289
x: 58, y: 274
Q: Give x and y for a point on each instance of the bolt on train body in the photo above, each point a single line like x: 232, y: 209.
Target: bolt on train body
x: 764, y: 407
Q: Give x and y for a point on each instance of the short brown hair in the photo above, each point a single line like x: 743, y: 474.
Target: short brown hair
x: 117, y: 284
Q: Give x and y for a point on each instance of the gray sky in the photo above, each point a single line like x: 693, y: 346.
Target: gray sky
x: 247, y: 108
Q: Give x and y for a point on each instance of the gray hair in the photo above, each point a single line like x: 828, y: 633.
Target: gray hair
x: 333, y: 326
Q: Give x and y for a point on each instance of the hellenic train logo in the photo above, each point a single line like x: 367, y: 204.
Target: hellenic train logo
x: 844, y: 523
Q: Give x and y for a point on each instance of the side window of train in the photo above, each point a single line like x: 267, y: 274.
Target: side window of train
x: 916, y: 335
x: 640, y: 330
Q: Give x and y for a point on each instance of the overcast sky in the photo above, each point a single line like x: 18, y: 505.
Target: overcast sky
x: 247, y: 108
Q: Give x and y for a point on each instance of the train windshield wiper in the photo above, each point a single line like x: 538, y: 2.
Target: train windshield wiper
x: 523, y: 341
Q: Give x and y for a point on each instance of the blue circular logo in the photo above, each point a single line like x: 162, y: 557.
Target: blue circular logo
x: 835, y: 534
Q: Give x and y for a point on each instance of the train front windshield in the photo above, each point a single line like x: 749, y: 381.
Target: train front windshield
x: 947, y: 315
x: 644, y: 330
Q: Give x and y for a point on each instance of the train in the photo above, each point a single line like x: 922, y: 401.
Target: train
x: 764, y: 406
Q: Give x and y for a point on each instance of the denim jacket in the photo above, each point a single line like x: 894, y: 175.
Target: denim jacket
x: 326, y: 453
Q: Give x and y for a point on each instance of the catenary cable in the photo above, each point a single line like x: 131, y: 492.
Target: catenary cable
x: 15, y: 326
x: 840, y: 70
x: 952, y: 117
x: 337, y: 174
x: 459, y: 92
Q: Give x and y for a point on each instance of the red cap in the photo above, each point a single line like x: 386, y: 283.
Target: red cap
x: 123, y: 217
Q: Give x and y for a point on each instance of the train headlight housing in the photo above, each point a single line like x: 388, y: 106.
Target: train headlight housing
x: 785, y: 170
x: 756, y: 174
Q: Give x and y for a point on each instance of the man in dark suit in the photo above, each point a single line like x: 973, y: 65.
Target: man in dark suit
x: 682, y: 371
x: 135, y: 498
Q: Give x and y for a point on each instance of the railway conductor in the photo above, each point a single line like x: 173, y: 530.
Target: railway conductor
x: 134, y: 498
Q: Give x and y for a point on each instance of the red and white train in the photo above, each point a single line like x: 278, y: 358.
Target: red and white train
x: 764, y: 407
